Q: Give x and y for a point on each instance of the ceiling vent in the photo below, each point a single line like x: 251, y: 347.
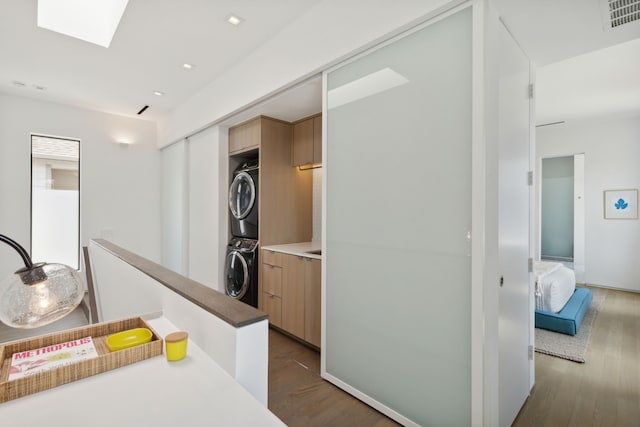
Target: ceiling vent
x: 619, y: 12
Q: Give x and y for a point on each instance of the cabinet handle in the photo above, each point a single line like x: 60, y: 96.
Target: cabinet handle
x: 270, y: 294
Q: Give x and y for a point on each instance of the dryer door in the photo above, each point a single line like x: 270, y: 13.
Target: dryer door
x: 242, y: 195
x: 237, y: 275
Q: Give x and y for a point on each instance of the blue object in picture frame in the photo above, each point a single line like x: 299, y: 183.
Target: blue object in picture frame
x: 621, y: 204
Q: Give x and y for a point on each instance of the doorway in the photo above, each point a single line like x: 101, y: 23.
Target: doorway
x: 562, y: 212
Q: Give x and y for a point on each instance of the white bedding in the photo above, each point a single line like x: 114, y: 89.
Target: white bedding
x: 555, y: 284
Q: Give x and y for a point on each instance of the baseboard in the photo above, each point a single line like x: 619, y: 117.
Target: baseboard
x: 613, y: 288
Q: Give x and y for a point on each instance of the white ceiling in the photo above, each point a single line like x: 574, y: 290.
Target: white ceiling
x: 156, y: 37
x: 601, y: 83
x: 153, y: 40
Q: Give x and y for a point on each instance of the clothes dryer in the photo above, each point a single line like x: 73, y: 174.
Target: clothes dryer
x: 243, y: 201
x: 241, y: 270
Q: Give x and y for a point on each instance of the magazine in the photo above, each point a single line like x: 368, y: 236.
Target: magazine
x: 29, y: 362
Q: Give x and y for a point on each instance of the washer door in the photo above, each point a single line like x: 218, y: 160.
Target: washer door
x: 237, y: 275
x: 242, y: 195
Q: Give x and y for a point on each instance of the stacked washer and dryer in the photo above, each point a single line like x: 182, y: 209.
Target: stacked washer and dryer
x: 241, y: 264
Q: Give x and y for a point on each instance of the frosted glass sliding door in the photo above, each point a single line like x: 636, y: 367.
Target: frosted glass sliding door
x: 398, y: 225
x: 174, y: 207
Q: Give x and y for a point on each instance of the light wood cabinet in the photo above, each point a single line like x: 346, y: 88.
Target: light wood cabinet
x: 293, y: 308
x: 285, y: 193
x: 307, y: 141
x: 312, y: 298
x: 244, y: 137
x: 272, y: 286
x: 272, y: 305
x: 291, y: 294
x: 317, y: 139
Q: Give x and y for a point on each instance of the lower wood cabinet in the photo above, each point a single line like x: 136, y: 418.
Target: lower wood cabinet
x: 312, y: 298
x: 272, y: 292
x: 291, y: 294
x: 293, y: 306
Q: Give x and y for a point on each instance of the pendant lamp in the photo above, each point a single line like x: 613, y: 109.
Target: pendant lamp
x: 38, y: 294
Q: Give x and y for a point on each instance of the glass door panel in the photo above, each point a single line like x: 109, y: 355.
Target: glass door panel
x: 398, y: 218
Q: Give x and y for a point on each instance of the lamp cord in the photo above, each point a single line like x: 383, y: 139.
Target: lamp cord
x: 15, y: 245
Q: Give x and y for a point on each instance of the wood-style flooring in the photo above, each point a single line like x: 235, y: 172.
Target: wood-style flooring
x: 604, y: 391
x: 300, y: 397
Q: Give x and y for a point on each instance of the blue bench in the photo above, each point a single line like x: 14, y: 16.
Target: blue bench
x: 568, y: 320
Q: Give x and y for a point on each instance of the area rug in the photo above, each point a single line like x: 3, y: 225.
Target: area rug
x: 571, y: 347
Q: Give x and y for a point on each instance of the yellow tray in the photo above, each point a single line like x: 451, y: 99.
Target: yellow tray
x: 105, y: 361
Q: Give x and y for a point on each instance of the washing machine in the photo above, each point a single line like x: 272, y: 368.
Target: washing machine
x: 243, y: 201
x: 241, y: 270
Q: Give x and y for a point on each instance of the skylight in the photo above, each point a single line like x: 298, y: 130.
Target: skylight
x: 93, y: 21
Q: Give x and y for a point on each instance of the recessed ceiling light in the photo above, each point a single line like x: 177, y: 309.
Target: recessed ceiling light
x: 39, y: 87
x: 19, y: 84
x: 187, y: 66
x: 91, y: 21
x: 158, y: 93
x: 234, y: 20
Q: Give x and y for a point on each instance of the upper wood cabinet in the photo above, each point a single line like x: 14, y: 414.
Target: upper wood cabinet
x: 245, y: 137
x: 307, y: 141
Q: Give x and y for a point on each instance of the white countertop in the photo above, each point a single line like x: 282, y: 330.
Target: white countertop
x: 299, y: 249
x: 194, y: 391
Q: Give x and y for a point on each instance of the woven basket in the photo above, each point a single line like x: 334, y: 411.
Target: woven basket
x: 105, y: 361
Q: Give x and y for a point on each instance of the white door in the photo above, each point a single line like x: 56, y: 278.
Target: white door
x: 514, y: 208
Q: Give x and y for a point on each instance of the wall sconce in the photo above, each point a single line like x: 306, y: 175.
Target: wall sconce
x: 38, y: 294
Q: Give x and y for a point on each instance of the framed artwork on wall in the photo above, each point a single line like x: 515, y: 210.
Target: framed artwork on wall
x: 621, y: 204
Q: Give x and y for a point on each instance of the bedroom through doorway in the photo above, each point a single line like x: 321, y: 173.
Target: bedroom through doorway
x: 562, y: 212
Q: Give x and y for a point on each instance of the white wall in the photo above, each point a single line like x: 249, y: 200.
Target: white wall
x: 612, y: 150
x: 243, y: 352
x: 331, y: 31
x: 119, y: 187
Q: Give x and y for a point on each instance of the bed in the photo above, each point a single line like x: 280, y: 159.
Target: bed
x: 560, y: 304
x: 554, y: 285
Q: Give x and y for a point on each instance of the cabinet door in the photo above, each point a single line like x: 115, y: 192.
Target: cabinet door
x: 272, y: 305
x: 293, y: 295
x: 271, y: 257
x: 317, y: 139
x: 312, y: 301
x: 272, y: 280
x: 302, y: 143
x: 244, y: 137
x: 272, y: 293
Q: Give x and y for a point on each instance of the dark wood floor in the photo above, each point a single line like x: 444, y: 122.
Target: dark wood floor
x: 300, y: 397
x: 604, y: 391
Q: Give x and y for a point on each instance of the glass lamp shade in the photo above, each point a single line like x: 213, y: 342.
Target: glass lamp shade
x: 39, y: 295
